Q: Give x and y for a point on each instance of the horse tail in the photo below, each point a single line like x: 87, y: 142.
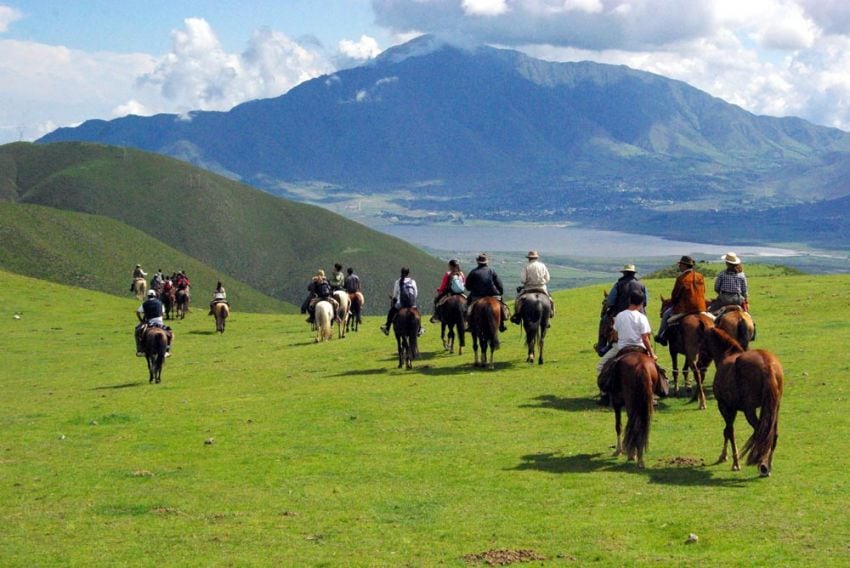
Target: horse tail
x: 495, y: 313
x: 761, y: 444
x: 743, y: 333
x: 639, y: 409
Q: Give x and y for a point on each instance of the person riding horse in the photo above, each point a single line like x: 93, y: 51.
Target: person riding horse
x: 137, y: 273
x: 405, y: 294
x: 150, y: 315
x: 533, y: 278
x: 633, y: 331
x: 688, y: 296
x: 617, y: 299
x: 337, y: 279
x: 731, y: 285
x: 219, y: 297
x: 320, y: 291
x: 482, y: 282
x: 453, y: 283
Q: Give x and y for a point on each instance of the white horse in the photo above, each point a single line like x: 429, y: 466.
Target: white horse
x: 324, y: 321
x: 344, y: 312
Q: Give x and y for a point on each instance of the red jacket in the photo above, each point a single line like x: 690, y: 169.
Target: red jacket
x: 689, y: 293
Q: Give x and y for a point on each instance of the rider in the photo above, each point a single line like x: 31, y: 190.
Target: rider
x: 453, y: 283
x: 320, y: 291
x: 633, y: 330
x: 533, y: 278
x: 688, y: 295
x: 731, y: 284
x: 156, y: 281
x: 137, y: 273
x: 337, y: 279
x: 352, y: 286
x: 405, y: 294
x: 483, y: 281
x: 219, y: 297
x: 618, y: 297
x: 150, y: 315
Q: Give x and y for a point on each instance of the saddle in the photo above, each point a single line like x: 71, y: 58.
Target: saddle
x: 606, y: 376
x: 674, y: 319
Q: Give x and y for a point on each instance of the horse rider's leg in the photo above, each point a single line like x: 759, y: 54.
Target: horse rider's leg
x: 552, y: 306
x: 661, y: 336
x: 138, y: 336
x: 390, y: 317
x: 516, y: 318
x: 504, y: 317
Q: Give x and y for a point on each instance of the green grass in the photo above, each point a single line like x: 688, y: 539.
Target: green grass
x: 327, y: 455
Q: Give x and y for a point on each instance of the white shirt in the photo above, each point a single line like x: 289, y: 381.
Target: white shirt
x: 631, y: 326
x: 534, y: 275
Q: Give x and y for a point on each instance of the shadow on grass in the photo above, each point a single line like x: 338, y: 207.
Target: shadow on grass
x: 554, y: 402
x: 199, y: 332
x: 121, y: 386
x: 588, y: 463
x: 362, y: 372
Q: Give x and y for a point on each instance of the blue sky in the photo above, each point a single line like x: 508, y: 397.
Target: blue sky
x: 63, y: 61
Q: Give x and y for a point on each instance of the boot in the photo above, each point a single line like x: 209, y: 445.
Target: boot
x: 604, y: 399
x: 661, y: 339
x: 385, y: 329
x: 515, y: 319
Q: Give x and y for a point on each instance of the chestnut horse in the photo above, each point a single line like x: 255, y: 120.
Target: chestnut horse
x: 452, y: 319
x: 746, y: 380
x: 221, y: 311
x: 484, y: 326
x: 356, y: 301
x: 536, y: 309
x: 169, y: 301
x: 683, y: 337
x: 636, y: 379
x: 155, y: 345
x: 182, y: 302
x: 737, y: 323
x: 406, y: 328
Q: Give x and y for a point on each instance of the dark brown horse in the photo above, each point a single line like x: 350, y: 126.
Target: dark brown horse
x: 535, y: 311
x: 155, y: 345
x: 605, y: 335
x: 356, y: 303
x: 484, y: 326
x: 745, y: 381
x: 737, y: 323
x: 169, y: 301
x: 684, y: 338
x: 635, y: 381
x: 221, y: 311
x: 406, y: 328
x: 452, y: 320
x: 182, y: 302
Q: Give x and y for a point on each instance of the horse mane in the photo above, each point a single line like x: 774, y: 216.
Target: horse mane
x: 723, y: 343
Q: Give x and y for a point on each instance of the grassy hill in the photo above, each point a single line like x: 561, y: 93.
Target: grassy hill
x: 99, y: 253
x: 272, y: 244
x: 262, y: 448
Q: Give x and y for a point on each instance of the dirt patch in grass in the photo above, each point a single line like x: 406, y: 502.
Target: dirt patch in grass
x: 503, y: 557
x: 682, y: 461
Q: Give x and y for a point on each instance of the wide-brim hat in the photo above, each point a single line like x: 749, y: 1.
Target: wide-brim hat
x: 151, y: 293
x: 628, y: 268
x: 532, y: 255
x: 687, y: 261
x: 731, y: 258
x: 482, y: 258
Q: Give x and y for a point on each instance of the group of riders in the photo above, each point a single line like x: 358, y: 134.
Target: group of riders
x: 152, y: 311
x: 626, y: 304
x: 322, y: 289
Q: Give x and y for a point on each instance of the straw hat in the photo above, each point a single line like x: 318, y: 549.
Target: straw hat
x: 532, y: 255
x: 731, y: 258
x: 482, y: 258
x: 629, y: 268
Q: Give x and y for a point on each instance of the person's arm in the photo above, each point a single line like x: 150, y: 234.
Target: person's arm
x: 611, y: 299
x: 444, y: 283
x: 646, y: 338
x: 717, y: 282
x: 497, y: 283
x: 523, y: 276
x: 545, y: 274
x: 744, y: 288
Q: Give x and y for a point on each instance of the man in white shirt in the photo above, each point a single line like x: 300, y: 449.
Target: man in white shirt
x: 533, y: 278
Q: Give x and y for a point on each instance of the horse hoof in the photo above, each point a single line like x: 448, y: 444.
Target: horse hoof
x: 736, y: 467
x: 764, y: 471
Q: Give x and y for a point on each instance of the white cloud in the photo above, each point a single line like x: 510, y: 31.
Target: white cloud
x: 365, y: 48
x: 7, y: 16
x: 484, y: 7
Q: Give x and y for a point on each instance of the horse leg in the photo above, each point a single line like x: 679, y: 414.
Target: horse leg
x: 699, y: 393
x: 618, y: 428
x: 400, y: 347
x: 475, y: 348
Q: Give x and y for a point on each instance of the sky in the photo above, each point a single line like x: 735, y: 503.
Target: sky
x: 66, y: 61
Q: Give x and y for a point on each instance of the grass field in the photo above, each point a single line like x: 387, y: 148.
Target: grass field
x: 261, y: 448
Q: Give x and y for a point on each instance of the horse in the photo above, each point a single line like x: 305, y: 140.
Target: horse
x: 169, y: 300
x: 686, y: 341
x: 536, y: 309
x: 484, y: 327
x: 221, y: 311
x: 746, y: 380
x: 605, y: 335
x: 452, y: 320
x: 324, y: 318
x: 343, y: 313
x: 356, y: 303
x: 635, y: 380
x: 182, y: 302
x: 406, y: 327
x: 140, y: 288
x: 737, y: 323
x: 155, y: 345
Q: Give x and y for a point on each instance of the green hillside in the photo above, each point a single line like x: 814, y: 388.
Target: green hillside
x: 270, y: 243
x: 99, y: 253
x: 261, y: 448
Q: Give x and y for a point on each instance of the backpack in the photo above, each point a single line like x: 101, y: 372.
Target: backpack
x: 407, y: 293
x: 323, y: 290
x: 456, y: 284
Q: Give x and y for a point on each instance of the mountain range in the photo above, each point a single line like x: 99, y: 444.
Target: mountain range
x: 491, y: 133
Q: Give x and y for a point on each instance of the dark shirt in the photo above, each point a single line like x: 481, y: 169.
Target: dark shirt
x: 152, y: 308
x: 320, y: 287
x: 352, y: 283
x: 618, y: 297
x: 483, y: 281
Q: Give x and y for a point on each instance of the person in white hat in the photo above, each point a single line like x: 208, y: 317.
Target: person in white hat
x: 533, y: 278
x: 731, y: 284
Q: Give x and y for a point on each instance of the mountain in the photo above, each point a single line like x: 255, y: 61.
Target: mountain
x: 494, y: 133
x: 238, y: 232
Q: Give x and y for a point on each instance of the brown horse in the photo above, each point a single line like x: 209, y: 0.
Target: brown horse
x: 155, y: 345
x: 737, y: 323
x: 452, y: 319
x: 169, y: 301
x: 221, y: 311
x: 406, y: 328
x: 605, y: 336
x: 484, y: 326
x: 182, y: 302
x: 635, y: 381
x: 356, y: 303
x: 536, y: 309
x: 746, y: 380
x: 684, y: 338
